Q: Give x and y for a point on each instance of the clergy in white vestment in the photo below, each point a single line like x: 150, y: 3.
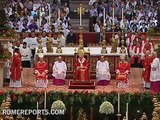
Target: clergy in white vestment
x: 26, y: 55
x: 59, y: 72
x: 102, y: 72
x: 62, y: 39
x: 155, y: 74
x: 33, y: 43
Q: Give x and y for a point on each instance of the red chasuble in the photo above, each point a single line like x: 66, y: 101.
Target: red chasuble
x: 123, y: 68
x: 41, y: 69
x: 16, y: 67
x: 147, y: 66
x: 82, y: 69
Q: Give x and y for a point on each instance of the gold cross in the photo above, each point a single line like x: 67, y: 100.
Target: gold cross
x: 80, y: 11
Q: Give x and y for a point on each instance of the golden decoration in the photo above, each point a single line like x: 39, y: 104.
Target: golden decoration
x: 40, y: 47
x: 113, y: 44
x: 49, y: 45
x: 144, y: 117
x: 59, y: 49
x: 104, y: 50
x: 81, y: 115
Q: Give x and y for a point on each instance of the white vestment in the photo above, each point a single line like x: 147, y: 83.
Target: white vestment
x: 7, y: 69
x: 33, y: 43
x: 155, y: 70
x: 102, y: 70
x: 59, y: 70
x: 63, y: 41
x: 26, y: 53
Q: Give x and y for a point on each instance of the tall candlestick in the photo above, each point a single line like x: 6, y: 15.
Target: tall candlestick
x: 118, y: 102
x: 104, y: 16
x: 37, y: 109
x: 113, y: 12
x: 80, y: 13
x: 122, y: 17
x: 59, y: 12
x: 49, y: 19
x: 40, y: 17
x: 126, y: 111
x: 45, y: 99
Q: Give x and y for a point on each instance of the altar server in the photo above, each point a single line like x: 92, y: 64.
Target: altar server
x: 59, y: 72
x: 26, y: 55
x: 102, y: 72
x: 41, y: 70
x: 155, y: 73
x: 33, y: 43
x: 122, y: 71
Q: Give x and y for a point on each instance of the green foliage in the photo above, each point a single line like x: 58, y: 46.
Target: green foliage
x: 138, y: 102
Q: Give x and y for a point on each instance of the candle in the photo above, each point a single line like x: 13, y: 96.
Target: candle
x: 104, y: 16
x: 45, y: 100
x: 49, y: 18
x: 113, y: 12
x: 122, y: 16
x: 40, y: 17
x: 80, y: 13
x: 118, y: 103
x: 59, y: 12
x: 126, y: 111
x: 37, y: 109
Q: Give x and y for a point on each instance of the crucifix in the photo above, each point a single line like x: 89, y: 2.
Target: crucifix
x: 80, y: 11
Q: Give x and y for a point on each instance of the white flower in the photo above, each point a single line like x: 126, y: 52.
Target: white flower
x: 106, y: 108
x: 58, y: 105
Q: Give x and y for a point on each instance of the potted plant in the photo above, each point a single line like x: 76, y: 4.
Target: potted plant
x: 58, y: 105
x: 106, y: 108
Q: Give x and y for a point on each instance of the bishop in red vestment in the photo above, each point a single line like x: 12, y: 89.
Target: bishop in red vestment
x: 41, y: 69
x: 147, y: 68
x: 82, y: 69
x: 16, y: 69
x: 122, y: 71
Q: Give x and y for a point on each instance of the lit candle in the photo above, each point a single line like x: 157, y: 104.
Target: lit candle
x: 118, y: 103
x: 45, y: 100
x: 113, y: 12
x: 126, y: 111
x: 80, y: 13
x: 104, y: 16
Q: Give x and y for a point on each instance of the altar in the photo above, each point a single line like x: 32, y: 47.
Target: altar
x: 68, y: 56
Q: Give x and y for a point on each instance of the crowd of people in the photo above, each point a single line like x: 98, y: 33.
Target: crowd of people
x: 139, y: 15
x: 38, y: 15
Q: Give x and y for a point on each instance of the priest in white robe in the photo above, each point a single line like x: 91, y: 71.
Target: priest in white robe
x: 102, y: 72
x: 59, y: 72
x: 155, y: 74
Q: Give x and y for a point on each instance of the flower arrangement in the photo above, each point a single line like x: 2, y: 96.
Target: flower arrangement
x: 106, y: 108
x: 58, y: 104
